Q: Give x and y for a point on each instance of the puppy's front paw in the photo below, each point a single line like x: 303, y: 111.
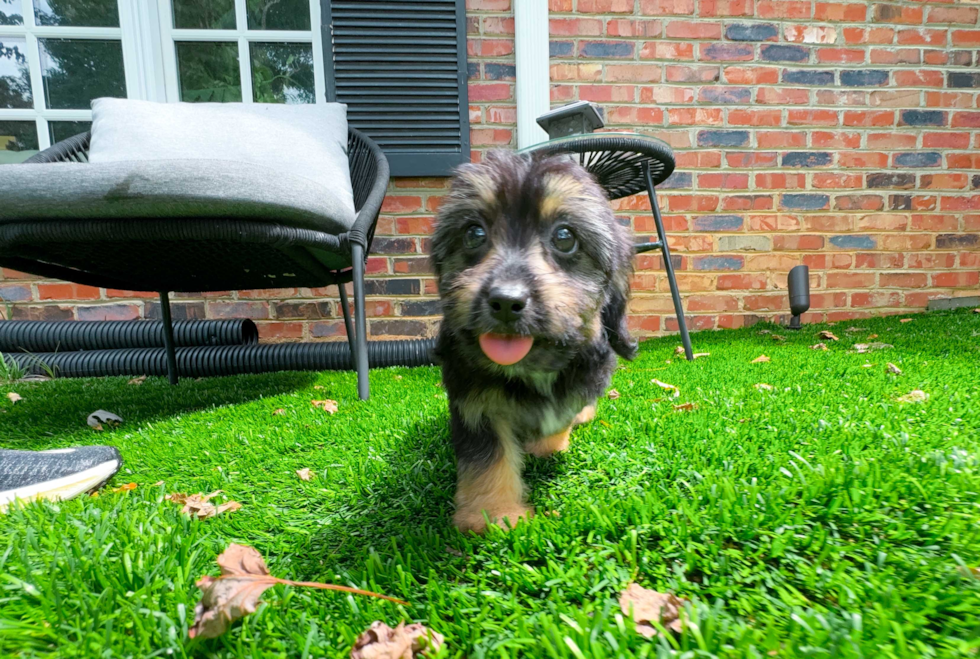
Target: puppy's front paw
x: 548, y: 446
x: 586, y: 415
x: 473, y: 520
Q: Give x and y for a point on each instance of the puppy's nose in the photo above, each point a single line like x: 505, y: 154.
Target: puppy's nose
x: 508, y: 301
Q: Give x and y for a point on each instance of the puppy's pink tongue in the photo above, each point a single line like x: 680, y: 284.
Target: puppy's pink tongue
x: 505, y: 349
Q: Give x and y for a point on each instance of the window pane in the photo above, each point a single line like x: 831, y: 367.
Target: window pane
x: 282, y: 73
x: 90, y: 13
x: 204, y: 14
x: 208, y: 71
x: 278, y: 14
x: 77, y: 70
x: 62, y: 130
x: 15, y: 77
x: 10, y: 12
x: 18, y: 141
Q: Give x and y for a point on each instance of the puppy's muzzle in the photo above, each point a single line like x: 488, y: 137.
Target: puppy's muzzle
x: 508, y: 301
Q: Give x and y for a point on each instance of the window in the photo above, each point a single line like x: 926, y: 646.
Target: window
x: 400, y: 65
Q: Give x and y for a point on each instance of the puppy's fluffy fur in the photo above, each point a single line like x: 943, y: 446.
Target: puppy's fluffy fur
x: 576, y: 313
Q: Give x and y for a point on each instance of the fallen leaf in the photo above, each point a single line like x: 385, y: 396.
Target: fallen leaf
x: 871, y: 347
x: 646, y: 606
x: 679, y: 350
x: 605, y: 423
x: 94, y: 495
x: 100, y: 418
x: 612, y: 394
x: 319, y: 387
x: 125, y: 488
x: 675, y: 392
x: 158, y: 484
x: 828, y: 335
x: 855, y: 329
x: 760, y: 359
x: 137, y: 380
x: 763, y: 386
x: 701, y: 354
x: 819, y: 346
x: 905, y: 320
x: 777, y: 337
x: 403, y: 642
x: 278, y: 412
x: 398, y: 377
x: 867, y: 365
x: 872, y: 336
x: 685, y: 407
x: 326, y: 405
x: 200, y: 506
x: 304, y: 474
x: 977, y: 310
x: 98, y: 427
x: 14, y: 396
x: 764, y: 332
x: 914, y: 396
x: 234, y: 594
x: 894, y: 369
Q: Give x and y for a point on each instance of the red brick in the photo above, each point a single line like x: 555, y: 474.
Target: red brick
x: 605, y: 6
x: 956, y: 279
x: 876, y: 299
x: 961, y: 15
x: 695, y: 116
x: 633, y: 72
x: 692, y: 73
x: 810, y: 34
x: 931, y: 260
x: 667, y: 50
x: 751, y: 159
x: 783, y: 9
x: 920, y: 78
x: 591, y: 27
x: 498, y: 25
x: 780, y: 139
x: 666, y: 7
x: 660, y: 94
x: 859, y: 202
x: 624, y: 27
x: 401, y: 204
x: 726, y: 8
x: 487, y: 5
x: 782, y: 96
x: 755, y: 117
x: 894, y: 13
x: 845, y: 12
x: 780, y: 181
x: 280, y: 330
x: 966, y: 120
x: 65, y: 291
x: 489, y: 47
x: 754, y: 75
x: 812, y: 118
x: 797, y: 242
x: 840, y: 55
x: 935, y: 223
x: 765, y: 302
x: 875, y: 35
x: 756, y: 202
x: 837, y: 181
x: 491, y: 91
x: 850, y: 280
x: 822, y: 139
x: 943, y: 181
x: 491, y: 136
x: 740, y: 282
x: 723, y: 181
x: 883, y: 222
x: 923, y: 37
x: 902, y: 280
x: 870, y: 118
x: 693, y: 30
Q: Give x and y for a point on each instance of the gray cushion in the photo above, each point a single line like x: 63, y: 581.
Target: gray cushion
x: 168, y: 188
x: 298, y: 141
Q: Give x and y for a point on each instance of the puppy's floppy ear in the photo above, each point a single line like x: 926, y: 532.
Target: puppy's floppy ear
x: 614, y: 317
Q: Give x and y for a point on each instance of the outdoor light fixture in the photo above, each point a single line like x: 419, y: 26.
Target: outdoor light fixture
x: 572, y: 119
x: 799, y: 293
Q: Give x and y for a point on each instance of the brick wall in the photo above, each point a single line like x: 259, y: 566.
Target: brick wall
x: 842, y: 135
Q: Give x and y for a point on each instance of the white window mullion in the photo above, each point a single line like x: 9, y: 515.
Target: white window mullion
x: 37, y: 80
x: 169, y: 52
x: 142, y: 50
x: 319, y: 75
x: 244, y: 56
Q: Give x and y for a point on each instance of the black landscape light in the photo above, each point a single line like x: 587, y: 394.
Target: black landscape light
x: 799, y: 293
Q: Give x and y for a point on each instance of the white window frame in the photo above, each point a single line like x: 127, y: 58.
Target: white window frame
x: 149, y: 51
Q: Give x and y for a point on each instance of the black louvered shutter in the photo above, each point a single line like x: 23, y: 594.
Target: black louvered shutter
x: 400, y: 66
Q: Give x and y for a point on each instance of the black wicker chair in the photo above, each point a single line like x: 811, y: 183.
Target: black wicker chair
x: 189, y: 255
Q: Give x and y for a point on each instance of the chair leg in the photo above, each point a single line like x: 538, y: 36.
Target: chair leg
x: 168, y: 337
x: 360, y: 355
x: 669, y: 267
x: 347, y: 321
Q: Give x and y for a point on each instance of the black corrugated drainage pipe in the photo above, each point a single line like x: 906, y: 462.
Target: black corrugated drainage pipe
x: 208, y: 361
x: 65, y: 336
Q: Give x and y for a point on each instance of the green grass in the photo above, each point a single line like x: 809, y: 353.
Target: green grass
x: 821, y: 518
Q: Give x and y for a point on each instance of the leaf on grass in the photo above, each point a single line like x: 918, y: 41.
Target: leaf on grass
x: 612, y: 394
x: 763, y: 386
x: 100, y: 419
x: 894, y: 369
x: 760, y: 359
x: 855, y: 329
x: 905, y: 320
x: 685, y: 407
x: 403, y: 642
x: 764, y: 332
x: 977, y: 310
x: 319, y: 387
x: 304, y: 474
x: 125, y: 488
x: 234, y: 594
x: 871, y: 347
x: 701, y: 354
x: 674, y: 391
x: 867, y: 365
x: 819, y: 346
x: 13, y: 396
x: 278, y: 412
x: 137, y: 380
x: 646, y: 606
x: 872, y: 336
x: 679, y: 350
x: 828, y: 335
x: 777, y: 337
x: 200, y: 506
x: 914, y: 396
x: 325, y: 405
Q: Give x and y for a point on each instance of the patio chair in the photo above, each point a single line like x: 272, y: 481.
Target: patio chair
x: 200, y: 254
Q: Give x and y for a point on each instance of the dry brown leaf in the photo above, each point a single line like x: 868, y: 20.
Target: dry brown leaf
x: 701, y: 354
x: 97, y: 427
x: 158, y: 484
x: 828, y: 335
x: 977, y: 310
x: 867, y: 365
x: 872, y: 336
x: 914, y: 396
x: 871, y: 347
x: 685, y: 407
x: 819, y: 346
x: 13, y: 396
x: 894, y: 369
x: 645, y: 606
x: 304, y: 474
x: 905, y: 320
x: 763, y: 386
x: 612, y: 394
x: 777, y: 337
x: 403, y: 642
x: 125, y: 488
x: 234, y: 594
x: 679, y: 350
x: 674, y: 391
x: 200, y: 506
x: 760, y: 359
x: 319, y: 387
x: 855, y: 329
x: 278, y: 412
x: 764, y: 332
x: 325, y: 405
x: 137, y: 380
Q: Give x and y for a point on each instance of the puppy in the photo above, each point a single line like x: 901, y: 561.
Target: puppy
x: 533, y: 272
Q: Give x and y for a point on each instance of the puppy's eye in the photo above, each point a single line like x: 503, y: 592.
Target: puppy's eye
x: 475, y: 236
x: 564, y: 240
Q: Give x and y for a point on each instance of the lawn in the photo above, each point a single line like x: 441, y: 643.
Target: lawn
x: 820, y: 517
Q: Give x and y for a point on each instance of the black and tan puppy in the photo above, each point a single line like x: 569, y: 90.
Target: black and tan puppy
x: 534, y: 274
